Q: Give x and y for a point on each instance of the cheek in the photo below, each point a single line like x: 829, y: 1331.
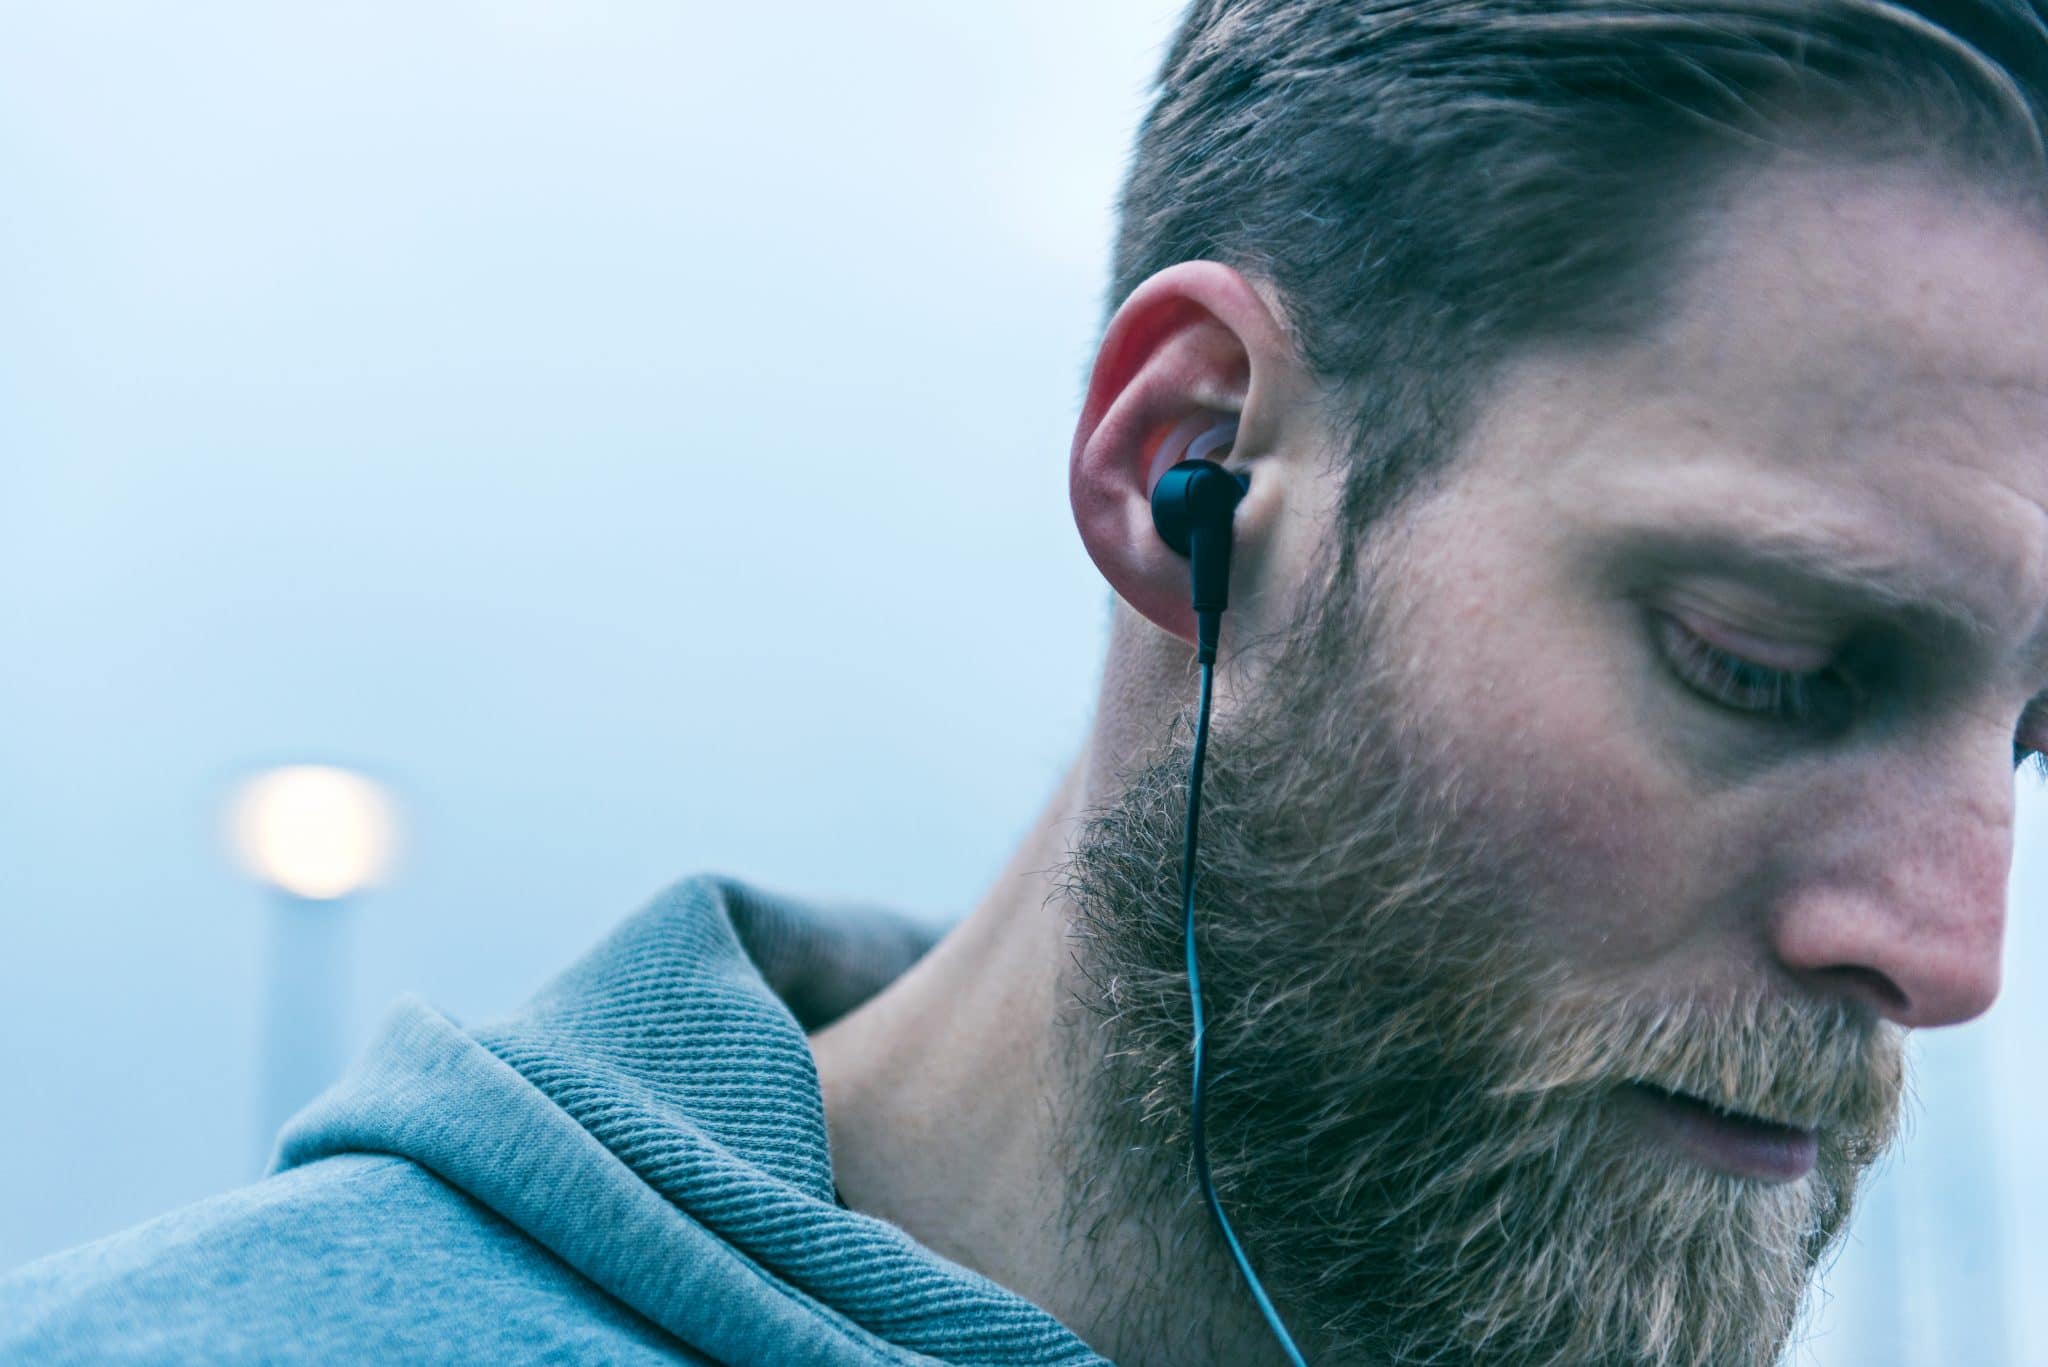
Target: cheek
x: 1538, y: 703
x: 1602, y: 846
x: 1611, y: 860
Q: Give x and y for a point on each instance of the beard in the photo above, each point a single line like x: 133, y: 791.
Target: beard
x: 1416, y: 1118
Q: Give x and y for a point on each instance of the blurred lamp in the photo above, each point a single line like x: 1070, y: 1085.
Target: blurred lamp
x: 314, y: 831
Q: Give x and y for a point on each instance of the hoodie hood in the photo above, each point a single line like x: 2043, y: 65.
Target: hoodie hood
x: 653, y: 1118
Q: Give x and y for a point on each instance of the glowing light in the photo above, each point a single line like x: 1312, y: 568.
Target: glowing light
x: 313, y: 830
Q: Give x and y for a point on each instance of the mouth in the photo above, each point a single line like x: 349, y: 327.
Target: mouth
x: 1733, y: 1142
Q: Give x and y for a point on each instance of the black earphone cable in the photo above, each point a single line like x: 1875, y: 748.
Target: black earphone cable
x: 1201, y: 1147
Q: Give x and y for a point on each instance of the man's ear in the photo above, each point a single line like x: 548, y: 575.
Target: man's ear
x: 1197, y: 337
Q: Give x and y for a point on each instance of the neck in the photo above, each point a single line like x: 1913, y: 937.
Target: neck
x: 952, y: 1101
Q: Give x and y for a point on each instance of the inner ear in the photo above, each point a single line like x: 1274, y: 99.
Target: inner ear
x: 1201, y: 435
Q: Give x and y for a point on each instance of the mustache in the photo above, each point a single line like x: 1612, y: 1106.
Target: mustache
x: 1802, y: 1064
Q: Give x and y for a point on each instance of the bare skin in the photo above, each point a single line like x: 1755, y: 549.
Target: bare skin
x: 1859, y: 368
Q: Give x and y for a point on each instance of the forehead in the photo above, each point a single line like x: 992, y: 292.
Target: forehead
x: 1854, y: 357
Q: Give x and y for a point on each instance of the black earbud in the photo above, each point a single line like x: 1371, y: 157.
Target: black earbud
x: 1192, y: 507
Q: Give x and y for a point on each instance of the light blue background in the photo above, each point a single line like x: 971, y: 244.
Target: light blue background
x: 587, y: 419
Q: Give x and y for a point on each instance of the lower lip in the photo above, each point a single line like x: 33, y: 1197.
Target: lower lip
x: 1741, y: 1148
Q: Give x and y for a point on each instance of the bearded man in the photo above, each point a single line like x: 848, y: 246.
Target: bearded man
x: 1639, y: 609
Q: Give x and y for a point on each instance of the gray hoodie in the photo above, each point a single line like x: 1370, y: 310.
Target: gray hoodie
x: 631, y: 1169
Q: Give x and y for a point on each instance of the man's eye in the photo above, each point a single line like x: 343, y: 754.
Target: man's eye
x: 2032, y: 725
x: 1822, y: 698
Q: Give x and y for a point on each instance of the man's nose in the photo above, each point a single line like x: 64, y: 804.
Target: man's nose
x: 1900, y: 898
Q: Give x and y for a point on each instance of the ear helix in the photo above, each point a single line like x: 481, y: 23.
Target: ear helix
x: 1193, y: 504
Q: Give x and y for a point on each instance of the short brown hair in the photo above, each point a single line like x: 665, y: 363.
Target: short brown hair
x: 1428, y: 182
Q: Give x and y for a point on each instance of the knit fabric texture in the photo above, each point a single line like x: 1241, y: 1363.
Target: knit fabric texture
x: 637, y: 1158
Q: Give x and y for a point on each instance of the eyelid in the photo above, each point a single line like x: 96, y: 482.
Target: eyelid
x: 1825, y: 698
x: 1791, y: 657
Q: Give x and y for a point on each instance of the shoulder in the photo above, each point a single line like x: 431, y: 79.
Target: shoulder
x: 359, y: 1255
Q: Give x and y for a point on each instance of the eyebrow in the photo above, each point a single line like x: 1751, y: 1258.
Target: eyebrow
x: 1817, y: 564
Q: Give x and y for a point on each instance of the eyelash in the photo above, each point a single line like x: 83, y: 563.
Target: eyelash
x: 1826, y: 698
x: 1822, y: 697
